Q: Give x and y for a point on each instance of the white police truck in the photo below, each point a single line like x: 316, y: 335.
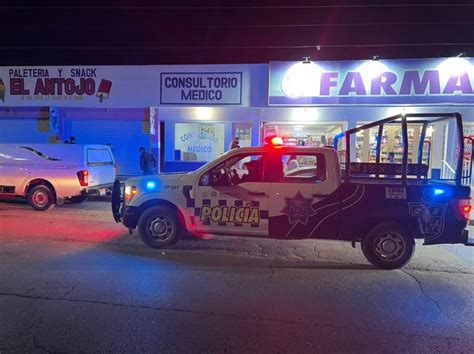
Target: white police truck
x: 286, y: 192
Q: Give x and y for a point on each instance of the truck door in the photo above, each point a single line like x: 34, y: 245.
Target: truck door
x: 304, y: 201
x: 232, y: 198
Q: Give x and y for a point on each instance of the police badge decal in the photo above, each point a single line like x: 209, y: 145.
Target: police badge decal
x: 298, y: 209
x: 431, y: 218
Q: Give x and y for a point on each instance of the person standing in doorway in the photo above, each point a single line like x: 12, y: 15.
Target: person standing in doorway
x: 147, y: 162
x: 235, y: 143
x: 391, y: 157
x: 391, y: 160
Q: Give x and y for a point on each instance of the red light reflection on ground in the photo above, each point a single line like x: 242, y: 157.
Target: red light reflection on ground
x: 204, y: 235
x: 62, y: 229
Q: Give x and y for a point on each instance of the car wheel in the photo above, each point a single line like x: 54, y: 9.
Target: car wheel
x: 41, y: 198
x: 78, y: 199
x: 388, y: 246
x: 159, y: 226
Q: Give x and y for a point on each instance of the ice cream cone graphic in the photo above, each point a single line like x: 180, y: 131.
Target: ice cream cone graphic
x: 104, y: 89
x: 3, y: 89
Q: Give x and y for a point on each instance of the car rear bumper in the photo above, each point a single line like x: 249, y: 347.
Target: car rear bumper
x: 459, y: 235
x: 95, y: 189
x: 466, y: 240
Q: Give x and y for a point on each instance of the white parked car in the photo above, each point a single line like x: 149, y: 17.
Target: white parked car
x: 46, y: 174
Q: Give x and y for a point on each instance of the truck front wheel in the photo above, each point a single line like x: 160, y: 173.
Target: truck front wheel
x: 159, y: 226
x: 388, y: 246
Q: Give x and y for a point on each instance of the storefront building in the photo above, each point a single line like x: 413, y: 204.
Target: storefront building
x: 188, y: 115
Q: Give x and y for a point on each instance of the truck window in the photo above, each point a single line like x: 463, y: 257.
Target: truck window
x: 235, y: 170
x: 301, y: 168
x: 99, y: 157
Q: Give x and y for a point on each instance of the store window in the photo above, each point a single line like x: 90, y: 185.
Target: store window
x: 303, y: 134
x: 469, y: 137
x: 391, y: 144
x: 243, y: 131
x: 366, y: 144
x: 199, y: 141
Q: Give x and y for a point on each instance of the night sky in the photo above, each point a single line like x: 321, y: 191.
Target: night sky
x: 199, y: 32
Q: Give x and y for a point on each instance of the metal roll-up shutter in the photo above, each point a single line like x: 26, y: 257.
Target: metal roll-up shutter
x: 126, y: 137
x: 27, y: 130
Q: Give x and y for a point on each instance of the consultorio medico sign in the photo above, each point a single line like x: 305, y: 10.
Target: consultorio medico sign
x: 409, y: 81
x: 198, y: 88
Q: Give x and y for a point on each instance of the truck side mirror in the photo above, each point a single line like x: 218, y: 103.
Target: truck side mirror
x: 204, y: 180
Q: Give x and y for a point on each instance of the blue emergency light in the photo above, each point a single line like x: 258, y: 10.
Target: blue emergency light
x: 151, y: 185
x: 438, y: 191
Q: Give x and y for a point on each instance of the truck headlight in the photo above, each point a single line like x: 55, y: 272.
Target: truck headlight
x: 130, y: 192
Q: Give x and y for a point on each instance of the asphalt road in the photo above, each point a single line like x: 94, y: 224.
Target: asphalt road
x: 71, y: 280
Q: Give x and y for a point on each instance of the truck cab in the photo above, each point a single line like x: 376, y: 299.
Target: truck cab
x: 240, y: 191
x: 285, y: 192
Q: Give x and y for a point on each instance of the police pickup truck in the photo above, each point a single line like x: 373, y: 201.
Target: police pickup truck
x: 286, y: 192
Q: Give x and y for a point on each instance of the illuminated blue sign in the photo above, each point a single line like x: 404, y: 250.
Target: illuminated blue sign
x: 408, y: 81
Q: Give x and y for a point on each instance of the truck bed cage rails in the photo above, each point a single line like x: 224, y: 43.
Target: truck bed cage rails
x: 418, y: 169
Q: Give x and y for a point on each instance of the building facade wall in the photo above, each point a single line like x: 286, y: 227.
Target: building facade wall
x: 192, y: 129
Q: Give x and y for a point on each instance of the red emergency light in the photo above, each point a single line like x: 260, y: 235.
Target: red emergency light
x: 274, y: 141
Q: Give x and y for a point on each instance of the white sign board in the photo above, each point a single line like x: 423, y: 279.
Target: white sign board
x: 199, y: 88
x: 395, y: 193
x: 79, y: 86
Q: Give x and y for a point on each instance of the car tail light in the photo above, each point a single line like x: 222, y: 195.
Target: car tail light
x: 464, y: 208
x: 83, y: 177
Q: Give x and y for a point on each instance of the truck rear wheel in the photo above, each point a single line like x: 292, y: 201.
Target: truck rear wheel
x: 388, y: 246
x: 41, y: 198
x: 159, y: 226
